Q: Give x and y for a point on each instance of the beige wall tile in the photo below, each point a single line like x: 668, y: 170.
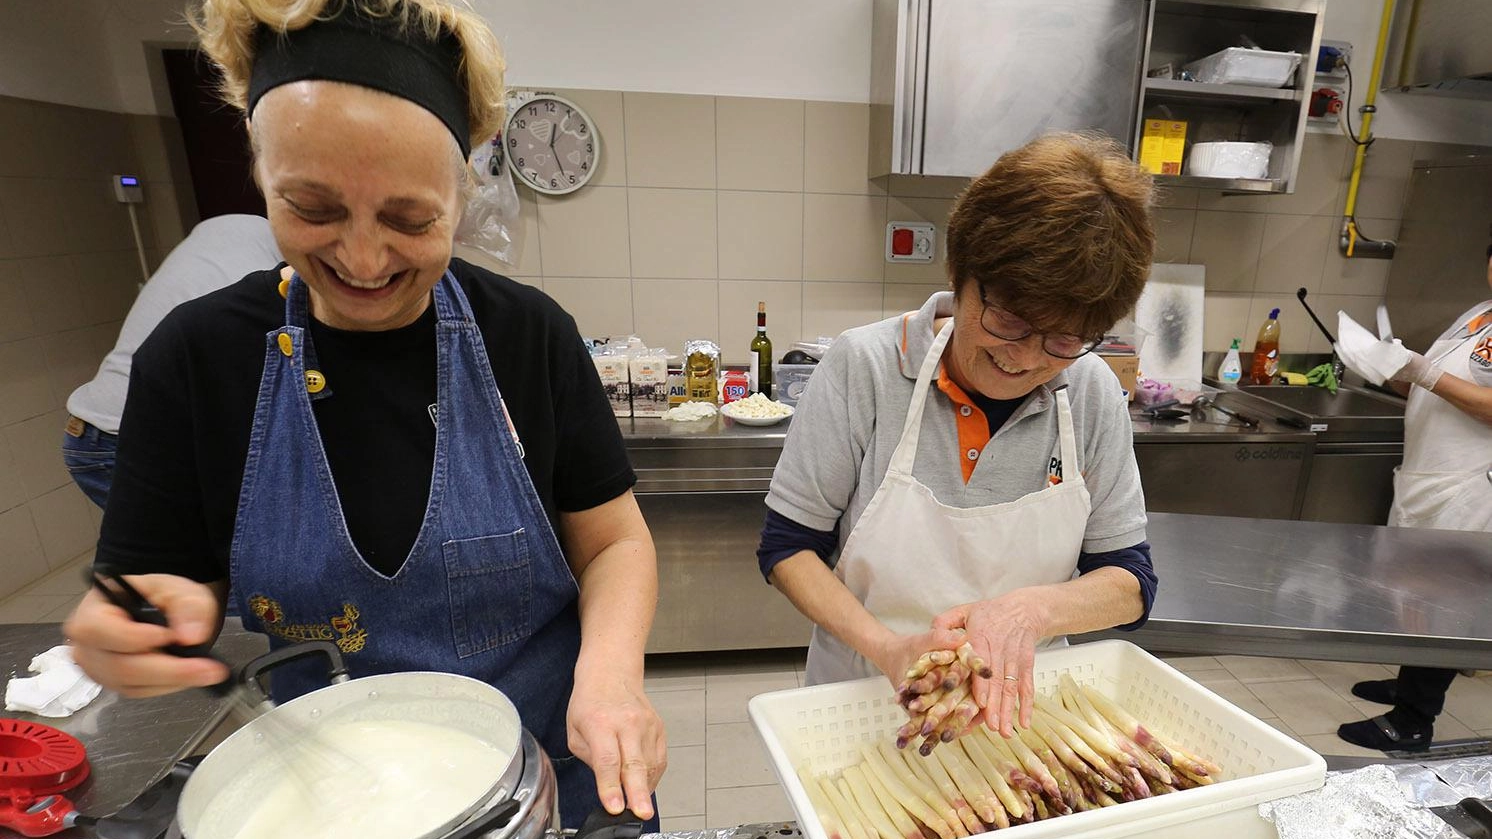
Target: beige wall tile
x: 1358, y: 276
x: 933, y: 210
x: 107, y: 283
x: 71, y: 361
x: 670, y: 140
x: 36, y: 215
x: 1225, y: 317
x: 761, y: 235
x: 1385, y: 179
x: 7, y: 250
x: 73, y: 149
x: 844, y: 237
x: 899, y: 298
x: 672, y: 232
x: 52, y: 294
x: 1176, y: 198
x: 163, y: 216
x: 831, y: 308
x: 20, y: 551
x: 836, y: 149
x: 759, y: 144
x: 920, y: 186
x: 15, y: 310
x: 12, y: 490
x: 682, y: 789
x: 96, y: 222
x: 584, y: 234
x: 604, y: 107
x: 63, y: 524
x: 529, y: 254
x: 1363, y: 309
x: 148, y: 136
x: 602, y: 307
x: 738, y: 299
x: 1173, y: 234
x: 1293, y: 252
x: 36, y: 446
x: 666, y: 313
x: 20, y: 145
x: 1228, y: 244
x: 25, y: 387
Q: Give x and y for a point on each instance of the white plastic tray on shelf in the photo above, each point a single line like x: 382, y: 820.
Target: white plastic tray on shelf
x: 1237, y: 65
x: 824, y: 728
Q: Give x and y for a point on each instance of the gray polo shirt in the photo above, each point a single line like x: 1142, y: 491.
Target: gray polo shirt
x: 850, y: 418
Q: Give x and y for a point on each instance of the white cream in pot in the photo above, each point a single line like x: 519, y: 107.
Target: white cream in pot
x: 373, y: 779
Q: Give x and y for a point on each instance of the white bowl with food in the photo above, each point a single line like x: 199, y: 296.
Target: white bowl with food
x: 756, y: 409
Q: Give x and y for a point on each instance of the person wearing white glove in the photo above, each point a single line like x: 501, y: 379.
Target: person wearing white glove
x: 1442, y: 483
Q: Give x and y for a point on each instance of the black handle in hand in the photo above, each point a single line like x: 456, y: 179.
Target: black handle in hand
x: 117, y: 590
x: 603, y: 825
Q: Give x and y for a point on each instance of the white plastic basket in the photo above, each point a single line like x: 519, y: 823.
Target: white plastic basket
x: 826, y: 726
x: 1236, y: 65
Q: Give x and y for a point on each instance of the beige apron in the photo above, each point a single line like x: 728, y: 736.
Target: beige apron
x: 911, y: 557
x: 1443, y: 480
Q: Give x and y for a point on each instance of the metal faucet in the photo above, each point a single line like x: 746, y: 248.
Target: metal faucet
x: 1338, y: 369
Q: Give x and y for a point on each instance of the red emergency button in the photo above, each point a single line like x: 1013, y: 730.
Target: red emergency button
x: 901, y: 242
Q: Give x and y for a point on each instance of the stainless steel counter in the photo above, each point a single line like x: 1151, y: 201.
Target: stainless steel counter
x: 130, y: 742
x: 1341, y: 592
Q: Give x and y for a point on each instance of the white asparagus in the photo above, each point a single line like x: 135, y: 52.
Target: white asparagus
x: 1082, y: 749
x: 1149, y: 764
x: 875, y: 815
x: 828, y: 815
x: 976, y: 792
x: 910, y: 801
x: 849, y: 814
x: 1066, y: 782
x: 920, y: 786
x: 900, y: 816
x: 1095, y: 739
x: 931, y: 769
x: 939, y: 712
x: 975, y: 664
x: 1009, y: 803
x: 1125, y: 722
x: 1068, y: 755
x: 1028, y: 760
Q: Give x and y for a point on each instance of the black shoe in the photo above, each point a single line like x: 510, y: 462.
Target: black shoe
x: 1382, y: 691
x: 1378, y: 733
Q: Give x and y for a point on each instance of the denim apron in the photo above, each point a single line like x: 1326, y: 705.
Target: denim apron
x: 485, y: 591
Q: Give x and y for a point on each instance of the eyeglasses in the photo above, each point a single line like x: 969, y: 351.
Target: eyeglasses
x: 1005, y: 325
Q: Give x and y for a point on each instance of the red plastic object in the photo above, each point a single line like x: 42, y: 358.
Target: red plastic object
x: 901, y: 242
x: 37, y: 762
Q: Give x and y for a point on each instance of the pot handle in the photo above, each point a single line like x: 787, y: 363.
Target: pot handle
x: 495, y: 819
x: 336, y: 670
x: 603, y: 825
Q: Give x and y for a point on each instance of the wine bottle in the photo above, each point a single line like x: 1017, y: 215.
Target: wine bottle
x: 761, y: 354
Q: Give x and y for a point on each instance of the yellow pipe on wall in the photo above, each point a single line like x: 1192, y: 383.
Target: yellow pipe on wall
x: 1367, y: 121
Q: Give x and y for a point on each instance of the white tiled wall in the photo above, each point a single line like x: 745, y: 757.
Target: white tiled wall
x: 68, y: 274
x: 704, y: 205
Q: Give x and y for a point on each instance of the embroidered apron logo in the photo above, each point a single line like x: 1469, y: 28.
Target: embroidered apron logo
x: 342, y: 629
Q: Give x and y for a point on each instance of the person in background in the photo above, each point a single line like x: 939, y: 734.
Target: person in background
x: 218, y: 252
x: 966, y: 471
x: 378, y: 443
x: 1443, y: 484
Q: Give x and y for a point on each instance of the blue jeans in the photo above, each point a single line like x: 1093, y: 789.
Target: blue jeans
x: 90, y: 460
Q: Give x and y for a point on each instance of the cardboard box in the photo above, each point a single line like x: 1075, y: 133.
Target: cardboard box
x: 1127, y: 368
x: 614, y: 380
x: 1162, y: 146
x: 649, y: 378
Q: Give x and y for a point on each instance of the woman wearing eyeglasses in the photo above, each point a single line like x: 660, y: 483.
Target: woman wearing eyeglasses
x: 966, y: 471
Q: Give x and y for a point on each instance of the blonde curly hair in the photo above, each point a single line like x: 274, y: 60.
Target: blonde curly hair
x: 226, y: 30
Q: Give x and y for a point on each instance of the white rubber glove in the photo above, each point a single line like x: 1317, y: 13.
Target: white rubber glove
x: 1417, y: 370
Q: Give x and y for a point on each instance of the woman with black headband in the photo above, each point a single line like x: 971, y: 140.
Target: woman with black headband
x: 378, y: 444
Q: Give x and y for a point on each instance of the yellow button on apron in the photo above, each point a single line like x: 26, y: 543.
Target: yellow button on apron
x: 315, y: 382
x: 284, y: 288
x: 287, y: 344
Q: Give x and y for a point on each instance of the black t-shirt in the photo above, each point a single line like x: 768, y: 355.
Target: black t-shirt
x: 184, y: 436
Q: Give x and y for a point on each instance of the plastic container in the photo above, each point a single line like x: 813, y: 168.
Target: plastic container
x: 824, y: 728
x: 1230, y: 372
x: 1267, y: 351
x: 791, y: 380
x: 1229, y: 160
x: 1238, y: 65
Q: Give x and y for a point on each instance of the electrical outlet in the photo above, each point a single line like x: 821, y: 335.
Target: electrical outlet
x: 911, y: 241
x: 1332, y: 60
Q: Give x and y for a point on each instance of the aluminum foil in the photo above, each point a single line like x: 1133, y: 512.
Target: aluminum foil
x: 763, y: 830
x: 1368, y: 803
x: 1469, y: 777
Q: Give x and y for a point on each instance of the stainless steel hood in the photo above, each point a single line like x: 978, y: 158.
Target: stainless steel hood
x: 1442, y: 47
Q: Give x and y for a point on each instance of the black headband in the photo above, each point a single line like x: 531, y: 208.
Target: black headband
x: 372, y: 52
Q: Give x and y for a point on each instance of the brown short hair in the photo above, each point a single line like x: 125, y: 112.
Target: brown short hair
x: 1059, y: 231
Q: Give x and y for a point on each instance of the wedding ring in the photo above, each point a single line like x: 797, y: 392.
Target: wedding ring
x: 1012, y: 678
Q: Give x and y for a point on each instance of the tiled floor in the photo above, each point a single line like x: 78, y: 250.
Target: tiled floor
x: 718, y: 773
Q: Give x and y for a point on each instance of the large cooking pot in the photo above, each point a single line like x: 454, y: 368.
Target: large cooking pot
x: 514, y: 799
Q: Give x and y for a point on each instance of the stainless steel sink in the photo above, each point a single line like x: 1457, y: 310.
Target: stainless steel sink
x: 1348, y: 415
